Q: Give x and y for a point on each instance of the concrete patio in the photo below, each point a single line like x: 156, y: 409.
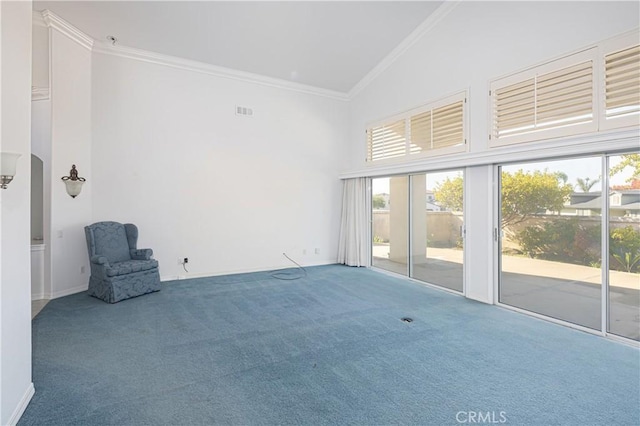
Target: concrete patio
x: 559, y: 290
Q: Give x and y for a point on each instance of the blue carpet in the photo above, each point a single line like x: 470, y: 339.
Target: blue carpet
x: 326, y: 349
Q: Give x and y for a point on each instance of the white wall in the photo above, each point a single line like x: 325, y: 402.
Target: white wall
x: 16, y: 388
x: 70, y: 144
x: 477, y: 42
x: 230, y: 193
x: 474, y: 43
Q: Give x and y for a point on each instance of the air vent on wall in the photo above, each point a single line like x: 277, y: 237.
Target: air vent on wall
x: 247, y: 112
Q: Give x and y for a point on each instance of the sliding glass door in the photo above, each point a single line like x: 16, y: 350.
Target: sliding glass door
x: 437, y: 229
x: 417, y: 226
x: 390, y: 223
x: 624, y: 246
x: 550, y: 250
x: 570, y: 241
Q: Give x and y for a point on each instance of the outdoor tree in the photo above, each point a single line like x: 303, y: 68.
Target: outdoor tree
x: 449, y: 194
x: 527, y: 194
x: 523, y: 194
x: 628, y: 160
x: 624, y: 246
x: 586, y: 184
x: 562, y: 176
x: 378, y: 202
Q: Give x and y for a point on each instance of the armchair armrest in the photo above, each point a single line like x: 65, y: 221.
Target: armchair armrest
x: 99, y: 260
x: 141, y: 254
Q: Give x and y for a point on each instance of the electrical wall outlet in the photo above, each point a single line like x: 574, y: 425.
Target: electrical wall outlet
x: 317, y: 250
x: 185, y: 260
x: 82, y: 269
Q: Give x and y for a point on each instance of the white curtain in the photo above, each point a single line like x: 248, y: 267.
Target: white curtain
x: 353, y: 247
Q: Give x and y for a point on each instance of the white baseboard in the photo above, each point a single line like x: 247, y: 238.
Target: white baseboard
x: 22, y: 405
x: 38, y: 296
x: 244, y: 271
x: 67, y: 292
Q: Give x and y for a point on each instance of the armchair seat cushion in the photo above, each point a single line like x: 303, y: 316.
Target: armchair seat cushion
x: 130, y: 266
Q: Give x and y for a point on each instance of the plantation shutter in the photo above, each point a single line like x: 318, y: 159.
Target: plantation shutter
x: 551, y: 100
x: 421, y: 136
x: 448, y: 125
x: 546, y: 101
x: 434, y: 129
x: 515, y: 108
x: 565, y: 97
x: 386, y: 141
x: 622, y: 83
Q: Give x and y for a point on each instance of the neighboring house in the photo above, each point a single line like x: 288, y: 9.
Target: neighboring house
x: 625, y: 203
x: 621, y: 203
x: 432, y: 205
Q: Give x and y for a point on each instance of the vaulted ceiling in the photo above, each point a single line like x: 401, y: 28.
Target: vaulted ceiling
x: 330, y: 44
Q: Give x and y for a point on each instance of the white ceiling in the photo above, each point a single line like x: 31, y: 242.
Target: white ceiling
x: 329, y: 44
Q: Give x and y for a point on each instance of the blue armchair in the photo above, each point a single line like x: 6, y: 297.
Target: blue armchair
x: 119, y: 270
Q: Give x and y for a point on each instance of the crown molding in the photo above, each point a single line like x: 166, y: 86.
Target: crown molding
x: 426, y: 26
x: 51, y: 20
x: 214, y: 70
x: 54, y: 21
x: 38, y: 20
x: 39, y: 93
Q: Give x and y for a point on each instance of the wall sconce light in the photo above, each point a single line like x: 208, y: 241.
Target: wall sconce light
x: 8, y: 161
x: 73, y: 182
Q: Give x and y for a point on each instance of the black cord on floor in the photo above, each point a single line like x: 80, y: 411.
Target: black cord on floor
x: 289, y: 275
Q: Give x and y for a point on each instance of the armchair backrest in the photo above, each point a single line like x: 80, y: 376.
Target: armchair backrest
x: 111, y: 240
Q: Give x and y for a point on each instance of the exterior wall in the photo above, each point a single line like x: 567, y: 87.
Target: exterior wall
x: 442, y: 228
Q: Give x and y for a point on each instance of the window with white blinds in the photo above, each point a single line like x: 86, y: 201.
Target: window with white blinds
x: 434, y: 129
x: 552, y: 100
x: 621, y: 82
x: 596, y: 89
x: 387, y: 141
